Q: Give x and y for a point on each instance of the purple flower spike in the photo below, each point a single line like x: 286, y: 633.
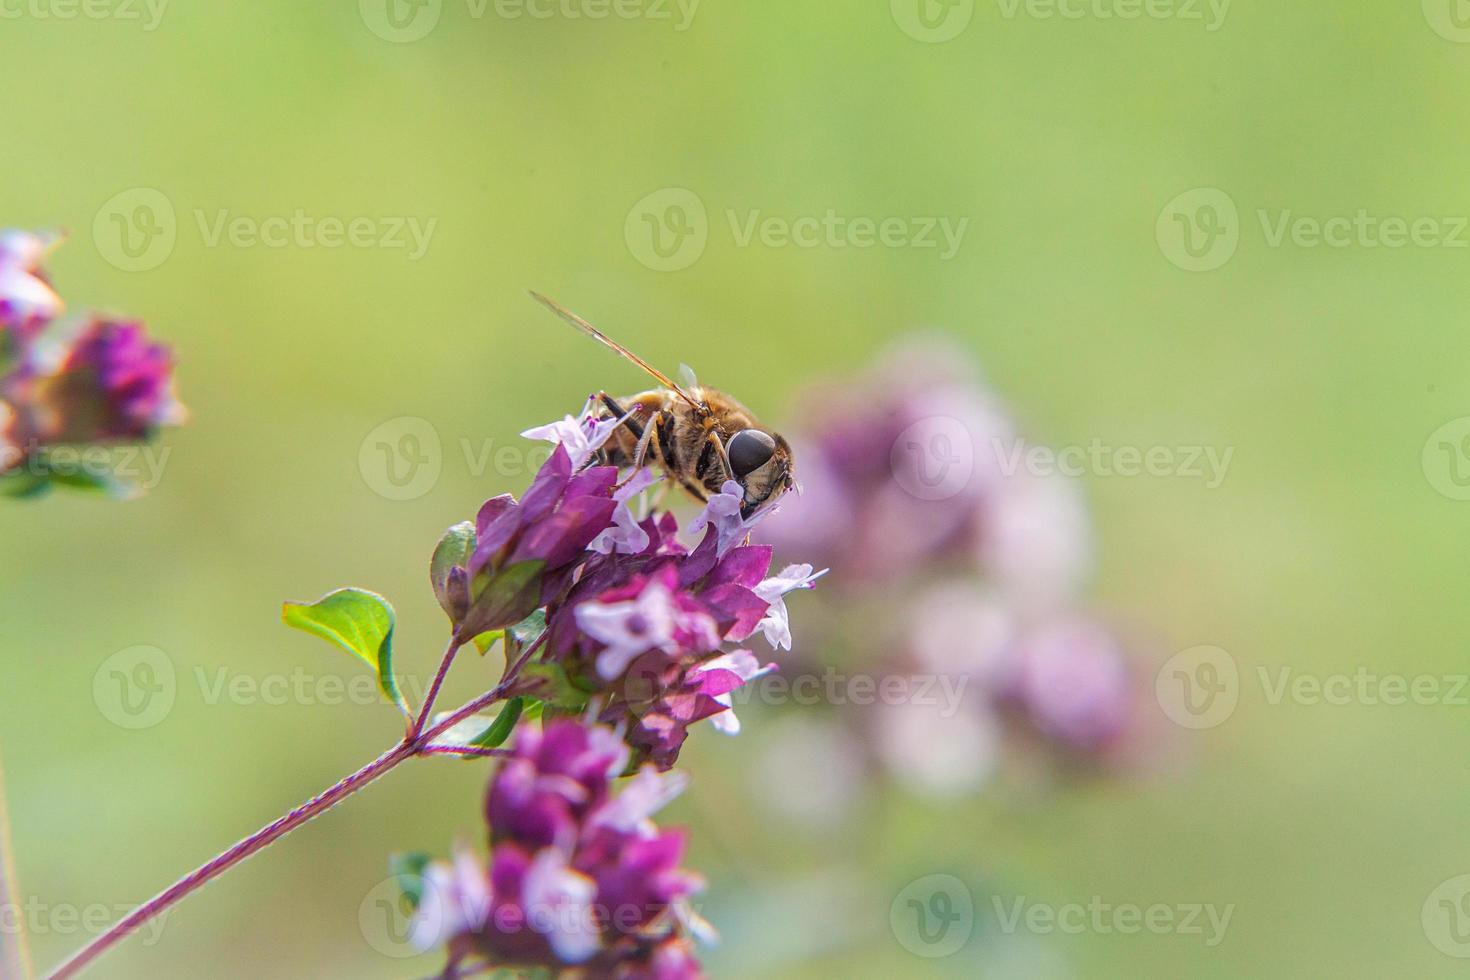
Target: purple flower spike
x: 528, y: 551
x: 577, y: 876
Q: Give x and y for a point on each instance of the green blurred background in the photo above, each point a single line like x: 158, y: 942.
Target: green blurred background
x: 1330, y: 546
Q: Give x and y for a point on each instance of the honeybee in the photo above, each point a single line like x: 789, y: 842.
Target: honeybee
x: 701, y: 437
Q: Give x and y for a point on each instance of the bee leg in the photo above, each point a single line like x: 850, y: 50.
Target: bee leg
x: 619, y: 413
x: 719, y: 444
x: 646, y: 435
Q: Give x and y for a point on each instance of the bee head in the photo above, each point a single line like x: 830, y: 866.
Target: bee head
x: 761, y: 463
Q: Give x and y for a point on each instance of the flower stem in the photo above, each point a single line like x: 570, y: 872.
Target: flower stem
x: 15, y: 954
x: 433, y: 693
x: 317, y: 805
x: 266, y: 835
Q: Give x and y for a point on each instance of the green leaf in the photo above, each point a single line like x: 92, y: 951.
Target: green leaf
x: 359, y: 622
x: 526, y: 631
x: 505, y: 722
x: 488, y: 639
x: 529, y: 630
x: 483, y: 731
x: 556, y: 688
x: 409, y: 870
x: 91, y: 482
x: 24, y: 486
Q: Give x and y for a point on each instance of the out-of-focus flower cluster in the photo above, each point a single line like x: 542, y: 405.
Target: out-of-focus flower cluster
x: 91, y: 382
x: 917, y: 494
x: 577, y: 877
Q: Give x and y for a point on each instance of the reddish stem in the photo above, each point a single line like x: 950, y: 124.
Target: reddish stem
x: 15, y: 959
x: 317, y: 805
x: 417, y: 728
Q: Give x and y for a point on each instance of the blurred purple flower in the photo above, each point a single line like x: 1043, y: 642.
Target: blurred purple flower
x: 917, y: 491
x: 577, y: 876
x: 98, y: 382
x: 112, y: 383
x: 895, y: 467
x: 27, y: 301
x: 1037, y: 542
x: 1075, y: 684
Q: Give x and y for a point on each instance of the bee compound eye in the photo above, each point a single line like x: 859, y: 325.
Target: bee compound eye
x: 749, y: 450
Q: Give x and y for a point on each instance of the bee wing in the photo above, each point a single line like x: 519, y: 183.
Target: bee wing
x: 604, y: 339
x: 686, y: 375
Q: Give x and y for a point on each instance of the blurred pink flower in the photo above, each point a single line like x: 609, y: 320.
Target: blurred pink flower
x: 27, y: 301
x: 938, y: 751
x: 1036, y: 546
x: 1075, y: 683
